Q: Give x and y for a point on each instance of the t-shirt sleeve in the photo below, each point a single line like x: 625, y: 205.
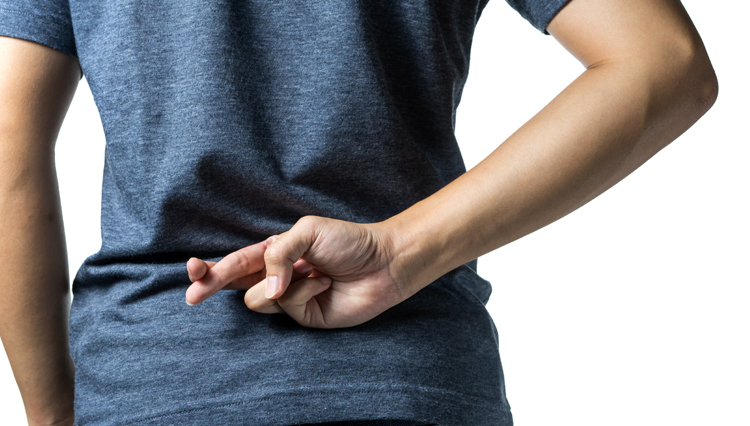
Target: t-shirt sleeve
x: 46, y: 22
x: 538, y: 12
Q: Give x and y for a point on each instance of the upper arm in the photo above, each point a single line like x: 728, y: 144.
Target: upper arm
x: 644, y: 31
x: 655, y: 39
x: 37, y: 84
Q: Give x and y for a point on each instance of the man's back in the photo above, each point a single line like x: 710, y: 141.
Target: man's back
x: 227, y: 122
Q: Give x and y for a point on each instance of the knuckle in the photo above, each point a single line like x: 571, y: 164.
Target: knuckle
x: 254, y: 303
x: 272, y: 239
x: 308, y: 225
x: 275, y: 254
x: 249, y: 302
x: 306, y: 221
x: 242, y: 260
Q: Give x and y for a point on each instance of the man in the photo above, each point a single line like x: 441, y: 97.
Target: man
x: 390, y: 277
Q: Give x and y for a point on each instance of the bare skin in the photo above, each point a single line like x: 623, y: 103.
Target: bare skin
x: 37, y: 84
x: 647, y: 80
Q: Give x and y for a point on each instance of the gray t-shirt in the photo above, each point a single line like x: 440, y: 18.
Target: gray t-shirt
x: 227, y: 121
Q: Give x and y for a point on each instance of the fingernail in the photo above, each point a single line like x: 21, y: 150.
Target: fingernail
x: 187, y: 266
x: 272, y: 286
x: 186, y: 299
x: 325, y: 280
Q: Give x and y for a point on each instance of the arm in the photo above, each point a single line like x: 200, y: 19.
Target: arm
x: 37, y: 84
x: 647, y: 80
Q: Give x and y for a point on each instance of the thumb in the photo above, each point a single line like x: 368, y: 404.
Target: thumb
x: 282, y: 252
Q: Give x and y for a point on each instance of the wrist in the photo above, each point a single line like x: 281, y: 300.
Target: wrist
x: 50, y: 401
x: 417, y: 253
x: 66, y: 418
x: 442, y: 232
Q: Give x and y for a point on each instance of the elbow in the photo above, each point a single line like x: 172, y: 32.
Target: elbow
x: 682, y: 84
x: 707, y: 90
x: 697, y: 79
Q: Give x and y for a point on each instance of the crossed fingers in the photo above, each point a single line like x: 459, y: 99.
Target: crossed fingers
x: 240, y: 270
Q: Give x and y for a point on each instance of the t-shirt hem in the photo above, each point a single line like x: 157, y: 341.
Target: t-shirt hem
x: 316, y: 405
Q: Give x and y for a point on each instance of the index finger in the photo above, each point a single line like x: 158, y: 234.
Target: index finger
x: 245, y: 261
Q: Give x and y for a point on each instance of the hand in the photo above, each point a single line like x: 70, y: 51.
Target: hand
x: 324, y: 273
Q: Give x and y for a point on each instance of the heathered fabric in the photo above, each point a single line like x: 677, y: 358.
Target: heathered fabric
x: 227, y: 121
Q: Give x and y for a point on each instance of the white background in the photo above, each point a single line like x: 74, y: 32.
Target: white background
x: 631, y: 310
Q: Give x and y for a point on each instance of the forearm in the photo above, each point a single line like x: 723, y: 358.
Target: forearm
x: 35, y: 303
x: 603, y: 126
